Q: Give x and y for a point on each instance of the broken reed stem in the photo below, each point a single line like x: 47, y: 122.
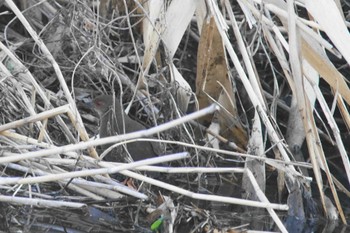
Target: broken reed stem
x: 112, y: 185
x: 38, y: 117
x: 41, y: 202
x: 272, y: 162
x: 109, y: 140
x: 260, y: 194
x: 170, y: 170
x: 217, y: 198
x: 99, y: 171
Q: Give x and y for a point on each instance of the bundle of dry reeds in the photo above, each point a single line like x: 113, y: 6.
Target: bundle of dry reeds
x: 230, y: 89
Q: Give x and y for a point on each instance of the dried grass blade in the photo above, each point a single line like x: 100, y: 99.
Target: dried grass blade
x: 332, y: 23
x: 275, y: 138
x: 327, y: 71
x: 79, y: 126
x: 199, y: 196
x: 41, y: 202
x: 37, y: 117
x: 260, y: 194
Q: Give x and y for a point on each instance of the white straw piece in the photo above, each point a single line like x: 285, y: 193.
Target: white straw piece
x: 263, y: 198
x: 199, y: 196
x: 40, y: 202
x: 99, y: 171
x: 113, y: 139
x: 37, y: 117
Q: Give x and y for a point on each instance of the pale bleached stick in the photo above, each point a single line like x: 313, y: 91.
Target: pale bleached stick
x: 37, y: 117
x: 75, y: 188
x: 102, y: 190
x: 199, y: 196
x: 115, y: 186
x: 41, y: 202
x: 170, y: 170
x: 84, y: 192
x: 92, y: 172
x: 259, y: 193
x: 99, y: 193
x: 109, y: 140
x: 246, y: 58
x: 273, y: 162
x: 29, y: 140
x: 91, y: 162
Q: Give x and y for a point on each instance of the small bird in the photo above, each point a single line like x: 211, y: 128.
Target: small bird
x: 114, y: 121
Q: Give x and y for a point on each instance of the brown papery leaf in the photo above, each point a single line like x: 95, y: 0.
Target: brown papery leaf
x: 212, y: 81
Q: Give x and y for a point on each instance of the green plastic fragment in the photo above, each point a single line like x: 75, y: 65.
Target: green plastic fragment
x: 156, y: 224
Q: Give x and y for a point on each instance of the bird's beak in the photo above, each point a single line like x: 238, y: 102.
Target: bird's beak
x: 87, y: 102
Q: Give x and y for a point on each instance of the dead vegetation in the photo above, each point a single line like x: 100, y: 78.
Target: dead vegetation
x: 231, y: 90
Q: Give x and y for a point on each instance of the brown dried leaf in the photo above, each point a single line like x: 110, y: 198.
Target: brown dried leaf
x: 214, y: 85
